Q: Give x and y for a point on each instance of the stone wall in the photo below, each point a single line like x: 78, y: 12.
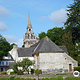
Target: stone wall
x: 55, y: 62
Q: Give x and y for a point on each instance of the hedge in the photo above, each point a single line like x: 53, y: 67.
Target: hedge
x: 52, y: 78
x: 12, y: 73
x: 72, y: 78
x: 4, y: 73
x: 77, y: 68
x: 36, y: 72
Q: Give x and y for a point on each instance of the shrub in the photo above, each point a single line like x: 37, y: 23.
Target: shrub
x: 72, y: 78
x: 53, y: 78
x: 17, y: 78
x: 38, y: 71
x: 46, y: 78
x: 19, y: 72
x: 4, y: 73
x: 22, y: 79
x: 4, y: 78
x: 12, y: 73
x: 11, y: 78
x: 32, y: 71
x: 59, y: 78
x: 77, y: 68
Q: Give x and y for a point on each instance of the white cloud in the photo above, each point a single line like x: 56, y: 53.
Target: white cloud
x: 3, y: 27
x: 19, y: 42
x: 12, y: 39
x: 59, y: 16
x: 4, y: 11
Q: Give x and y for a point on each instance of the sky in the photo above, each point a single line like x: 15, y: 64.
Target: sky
x: 44, y: 15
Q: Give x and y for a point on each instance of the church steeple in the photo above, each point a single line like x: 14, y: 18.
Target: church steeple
x: 29, y: 22
x: 29, y: 38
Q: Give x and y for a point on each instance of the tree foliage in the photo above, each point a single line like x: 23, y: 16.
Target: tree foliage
x: 4, y: 47
x: 42, y: 35
x: 55, y: 35
x: 25, y: 64
x: 72, y: 23
x: 67, y: 41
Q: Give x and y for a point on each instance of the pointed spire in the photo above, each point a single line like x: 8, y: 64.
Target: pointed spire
x: 29, y: 22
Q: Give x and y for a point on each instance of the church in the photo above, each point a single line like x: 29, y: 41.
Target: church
x: 47, y: 55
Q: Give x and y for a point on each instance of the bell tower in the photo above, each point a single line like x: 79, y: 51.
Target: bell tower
x: 29, y: 38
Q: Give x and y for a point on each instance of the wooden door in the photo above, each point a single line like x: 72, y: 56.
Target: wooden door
x: 70, y: 67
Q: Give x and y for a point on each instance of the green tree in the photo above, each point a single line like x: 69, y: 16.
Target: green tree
x: 67, y: 41
x: 4, y: 47
x: 26, y: 63
x: 77, y: 48
x: 55, y: 35
x: 72, y: 23
x: 42, y: 35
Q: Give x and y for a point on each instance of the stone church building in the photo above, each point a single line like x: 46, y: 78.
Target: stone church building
x: 47, y: 55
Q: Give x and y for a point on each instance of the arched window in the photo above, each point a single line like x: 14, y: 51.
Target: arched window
x: 31, y: 36
x: 28, y: 36
x: 29, y: 30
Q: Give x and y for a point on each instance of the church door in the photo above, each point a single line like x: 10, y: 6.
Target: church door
x: 70, y: 67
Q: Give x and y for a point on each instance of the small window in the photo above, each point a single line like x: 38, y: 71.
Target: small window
x: 2, y: 63
x: 29, y: 30
x: 6, y: 63
x: 31, y: 36
x: 65, y: 58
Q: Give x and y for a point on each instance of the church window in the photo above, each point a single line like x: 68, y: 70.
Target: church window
x: 31, y: 36
x: 28, y: 36
x: 29, y: 30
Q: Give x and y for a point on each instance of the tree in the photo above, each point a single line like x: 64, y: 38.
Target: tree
x: 55, y: 35
x: 25, y: 64
x: 72, y: 23
x: 67, y: 41
x: 42, y: 35
x: 4, y: 47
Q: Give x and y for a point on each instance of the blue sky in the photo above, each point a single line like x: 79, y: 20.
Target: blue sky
x: 44, y: 15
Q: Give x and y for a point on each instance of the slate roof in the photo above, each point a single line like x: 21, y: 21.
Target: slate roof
x: 25, y: 52
x: 46, y: 46
x: 43, y: 46
x: 9, y: 55
x: 64, y: 48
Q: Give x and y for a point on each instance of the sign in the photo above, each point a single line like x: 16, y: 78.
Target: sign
x: 76, y: 73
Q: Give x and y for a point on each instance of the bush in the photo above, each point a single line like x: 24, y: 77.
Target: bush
x: 53, y: 78
x: 19, y: 72
x: 11, y: 78
x: 4, y: 78
x: 36, y: 72
x: 77, y: 68
x: 46, y: 78
x: 17, y: 78
x: 12, y: 73
x: 72, y: 78
x: 4, y: 73
x: 59, y: 78
x: 32, y: 71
